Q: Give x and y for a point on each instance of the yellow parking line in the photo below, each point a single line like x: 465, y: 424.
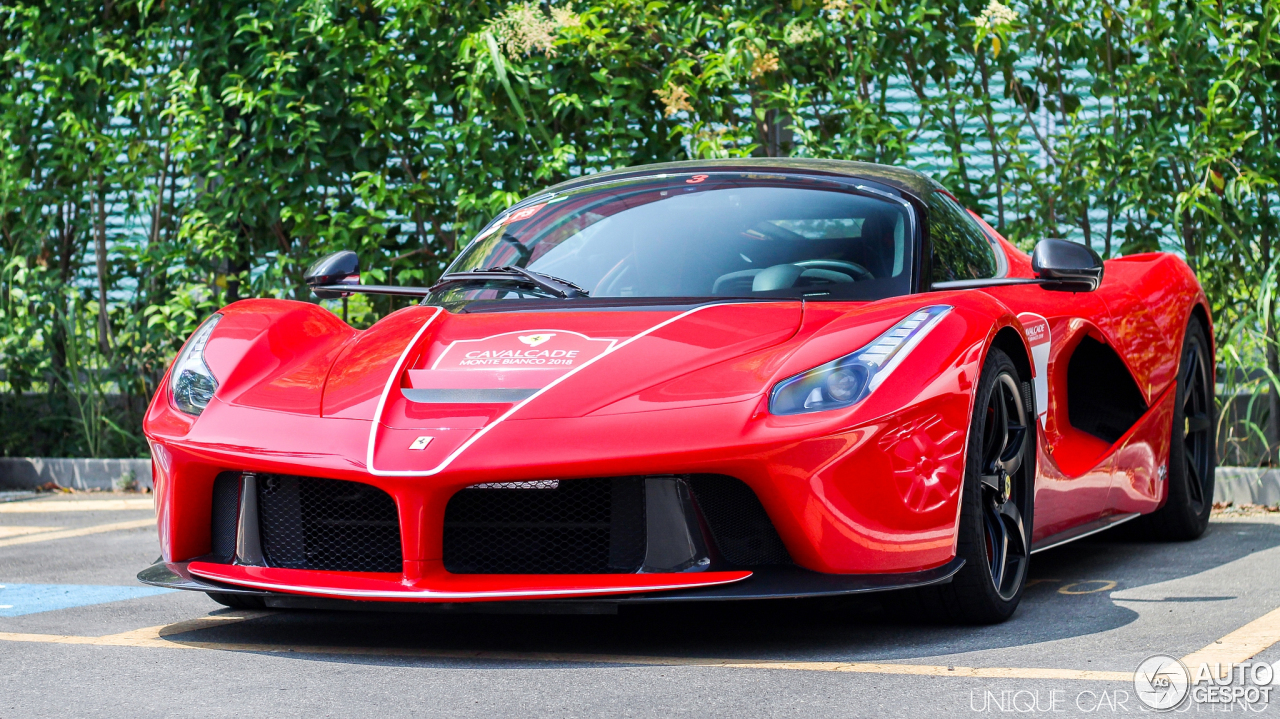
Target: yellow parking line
x: 1238, y: 646
x: 72, y: 505
x: 79, y: 532
x: 18, y: 531
x: 152, y: 637
x: 164, y: 637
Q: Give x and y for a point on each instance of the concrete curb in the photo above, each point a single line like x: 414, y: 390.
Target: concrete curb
x: 82, y: 474
x: 1247, y: 485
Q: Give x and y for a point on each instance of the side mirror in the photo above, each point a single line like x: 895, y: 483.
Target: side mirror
x: 339, y: 268
x: 1066, y: 266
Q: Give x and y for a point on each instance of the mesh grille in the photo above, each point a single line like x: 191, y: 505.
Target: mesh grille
x: 581, y: 526
x: 738, y: 523
x: 310, y: 523
x: 226, y: 511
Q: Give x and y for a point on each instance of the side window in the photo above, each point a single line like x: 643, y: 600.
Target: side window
x: 961, y: 250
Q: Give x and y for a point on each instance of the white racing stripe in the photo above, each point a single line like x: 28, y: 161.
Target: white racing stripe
x: 377, y: 415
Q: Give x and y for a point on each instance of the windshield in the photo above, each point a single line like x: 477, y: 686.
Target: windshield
x: 701, y: 236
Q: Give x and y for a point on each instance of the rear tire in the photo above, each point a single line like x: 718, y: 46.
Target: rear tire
x: 996, y: 504
x: 237, y: 601
x: 1192, y: 454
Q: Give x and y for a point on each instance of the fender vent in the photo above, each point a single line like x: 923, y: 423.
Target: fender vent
x: 1102, y: 398
x: 738, y: 523
x: 311, y: 523
x: 578, y: 526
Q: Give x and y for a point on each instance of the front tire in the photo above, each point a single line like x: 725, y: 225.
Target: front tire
x: 996, y: 503
x: 1192, y: 454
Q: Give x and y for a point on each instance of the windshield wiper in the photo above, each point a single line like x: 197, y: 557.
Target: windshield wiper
x: 563, y: 289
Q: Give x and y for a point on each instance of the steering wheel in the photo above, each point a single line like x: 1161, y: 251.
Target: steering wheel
x: 853, y: 269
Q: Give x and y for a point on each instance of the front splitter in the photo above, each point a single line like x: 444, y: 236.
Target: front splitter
x: 771, y: 582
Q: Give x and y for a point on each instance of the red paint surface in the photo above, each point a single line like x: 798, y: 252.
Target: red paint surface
x: 432, y: 583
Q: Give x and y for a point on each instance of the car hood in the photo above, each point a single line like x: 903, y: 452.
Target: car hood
x: 414, y: 392
x: 430, y: 368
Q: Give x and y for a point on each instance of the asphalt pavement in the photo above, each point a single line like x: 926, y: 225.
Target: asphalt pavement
x: 80, y: 637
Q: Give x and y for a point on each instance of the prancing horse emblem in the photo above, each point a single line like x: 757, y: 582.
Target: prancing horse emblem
x: 420, y: 443
x: 535, y: 340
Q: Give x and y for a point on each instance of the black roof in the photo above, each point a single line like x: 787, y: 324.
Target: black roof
x: 909, y: 181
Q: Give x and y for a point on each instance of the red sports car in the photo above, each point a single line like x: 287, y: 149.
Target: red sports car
x: 692, y: 381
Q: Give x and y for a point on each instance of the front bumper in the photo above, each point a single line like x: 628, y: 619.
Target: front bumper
x: 776, y: 582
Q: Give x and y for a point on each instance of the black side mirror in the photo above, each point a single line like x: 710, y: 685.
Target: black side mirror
x: 1066, y: 266
x: 339, y: 268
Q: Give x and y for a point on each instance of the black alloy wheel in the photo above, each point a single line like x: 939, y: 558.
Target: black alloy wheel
x: 1197, y: 426
x: 1004, y: 436
x: 996, y: 505
x: 1192, y: 451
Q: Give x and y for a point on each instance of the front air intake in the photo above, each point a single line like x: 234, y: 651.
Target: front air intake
x: 579, y: 526
x: 329, y: 524
x: 739, y: 525
x: 608, y: 525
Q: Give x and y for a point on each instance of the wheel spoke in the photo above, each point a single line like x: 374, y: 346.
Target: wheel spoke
x: 991, y: 434
x: 992, y: 482
x: 1195, y: 487
x: 1002, y: 415
x: 1193, y: 369
x: 1011, y: 458
x: 1018, y: 534
x: 999, y: 537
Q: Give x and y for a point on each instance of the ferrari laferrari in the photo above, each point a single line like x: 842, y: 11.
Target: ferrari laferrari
x: 696, y: 381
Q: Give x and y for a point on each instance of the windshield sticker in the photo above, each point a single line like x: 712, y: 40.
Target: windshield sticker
x: 542, y: 349
x: 526, y: 213
x: 1038, y: 338
x: 696, y: 179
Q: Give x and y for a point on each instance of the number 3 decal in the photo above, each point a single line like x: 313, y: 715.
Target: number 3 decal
x: 696, y: 179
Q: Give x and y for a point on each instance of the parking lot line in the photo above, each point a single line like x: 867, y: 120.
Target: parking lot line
x: 18, y: 531
x: 1238, y: 646
x: 85, y: 505
x: 162, y: 637
x: 78, y: 532
x: 166, y: 637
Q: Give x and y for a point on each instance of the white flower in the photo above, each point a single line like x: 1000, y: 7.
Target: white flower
x: 800, y: 33
x: 995, y: 15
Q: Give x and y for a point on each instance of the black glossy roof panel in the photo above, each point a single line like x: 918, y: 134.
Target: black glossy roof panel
x: 909, y: 181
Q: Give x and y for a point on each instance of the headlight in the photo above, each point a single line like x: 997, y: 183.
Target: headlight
x: 191, y: 381
x: 848, y: 380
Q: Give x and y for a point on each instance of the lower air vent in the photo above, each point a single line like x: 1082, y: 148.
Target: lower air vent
x: 738, y: 523
x: 578, y: 526
x: 310, y: 523
x: 226, y: 511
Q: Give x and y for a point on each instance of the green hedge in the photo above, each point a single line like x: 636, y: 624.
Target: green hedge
x: 160, y: 158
